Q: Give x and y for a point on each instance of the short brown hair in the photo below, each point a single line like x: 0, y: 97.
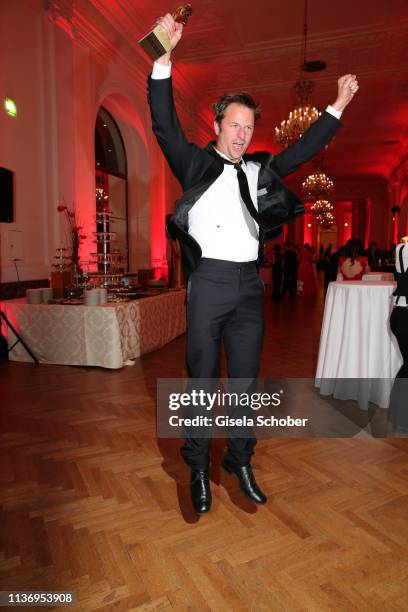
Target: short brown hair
x: 241, y: 97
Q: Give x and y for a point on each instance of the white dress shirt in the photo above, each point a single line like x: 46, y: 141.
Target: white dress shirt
x: 217, y: 221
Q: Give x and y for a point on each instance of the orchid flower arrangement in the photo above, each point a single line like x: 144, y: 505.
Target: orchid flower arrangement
x: 75, y: 232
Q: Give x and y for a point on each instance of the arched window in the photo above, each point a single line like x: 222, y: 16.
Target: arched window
x: 111, y: 183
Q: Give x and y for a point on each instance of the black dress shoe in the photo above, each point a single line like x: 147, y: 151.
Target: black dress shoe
x: 200, y: 491
x: 247, y: 481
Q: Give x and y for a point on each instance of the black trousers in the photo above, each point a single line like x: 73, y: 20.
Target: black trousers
x: 398, y: 413
x: 224, y: 305
x: 399, y: 327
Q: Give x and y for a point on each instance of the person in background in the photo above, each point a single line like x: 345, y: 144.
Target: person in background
x: 327, y: 252
x: 352, y: 263
x: 306, y: 279
x: 388, y: 255
x: 327, y: 266
x: 373, y: 255
x: 321, y: 252
x: 277, y: 273
x: 313, y: 252
x: 334, y: 263
x: 290, y: 265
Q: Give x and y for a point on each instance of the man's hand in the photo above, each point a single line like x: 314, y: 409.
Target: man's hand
x: 347, y: 87
x: 174, y: 32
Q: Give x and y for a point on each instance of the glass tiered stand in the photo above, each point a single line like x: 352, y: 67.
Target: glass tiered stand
x: 107, y: 260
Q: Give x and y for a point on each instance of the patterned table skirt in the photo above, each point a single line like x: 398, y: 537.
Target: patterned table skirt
x: 107, y: 336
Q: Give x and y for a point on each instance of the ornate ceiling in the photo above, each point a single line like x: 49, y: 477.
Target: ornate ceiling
x: 257, y: 46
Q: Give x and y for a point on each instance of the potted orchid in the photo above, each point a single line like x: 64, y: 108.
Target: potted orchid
x: 76, y: 236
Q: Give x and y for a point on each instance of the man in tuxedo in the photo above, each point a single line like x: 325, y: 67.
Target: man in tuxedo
x: 232, y: 203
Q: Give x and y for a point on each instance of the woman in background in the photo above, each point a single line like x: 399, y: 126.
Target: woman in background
x: 353, y: 264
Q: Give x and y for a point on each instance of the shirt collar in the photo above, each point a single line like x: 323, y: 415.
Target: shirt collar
x: 241, y: 161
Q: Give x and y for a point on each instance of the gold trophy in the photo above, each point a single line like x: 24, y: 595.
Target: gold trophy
x: 156, y: 42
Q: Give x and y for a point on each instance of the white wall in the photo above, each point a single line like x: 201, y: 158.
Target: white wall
x: 22, y: 147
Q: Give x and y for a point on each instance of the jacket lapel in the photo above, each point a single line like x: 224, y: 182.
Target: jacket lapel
x: 213, y: 170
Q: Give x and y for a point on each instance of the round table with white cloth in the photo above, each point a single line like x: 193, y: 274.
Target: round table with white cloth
x: 358, y: 354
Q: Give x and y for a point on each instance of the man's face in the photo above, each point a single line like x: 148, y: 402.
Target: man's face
x: 234, y: 132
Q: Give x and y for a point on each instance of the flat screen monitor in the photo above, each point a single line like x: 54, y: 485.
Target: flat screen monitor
x: 6, y: 196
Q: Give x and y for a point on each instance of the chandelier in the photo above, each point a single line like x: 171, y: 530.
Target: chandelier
x: 101, y: 199
x: 325, y: 219
x: 101, y: 195
x: 317, y: 184
x: 321, y: 206
x: 300, y: 119
x: 324, y: 213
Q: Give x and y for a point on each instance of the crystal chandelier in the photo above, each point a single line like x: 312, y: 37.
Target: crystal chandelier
x: 325, y: 219
x: 300, y: 119
x: 322, y: 206
x: 317, y: 184
x: 324, y: 213
x: 101, y: 195
x: 101, y: 199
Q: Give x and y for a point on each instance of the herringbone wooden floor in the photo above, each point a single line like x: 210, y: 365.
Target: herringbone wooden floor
x: 92, y: 502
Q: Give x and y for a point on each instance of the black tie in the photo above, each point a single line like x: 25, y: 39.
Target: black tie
x: 246, y: 196
x: 250, y: 212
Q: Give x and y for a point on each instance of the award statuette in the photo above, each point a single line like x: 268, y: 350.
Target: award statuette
x: 156, y: 42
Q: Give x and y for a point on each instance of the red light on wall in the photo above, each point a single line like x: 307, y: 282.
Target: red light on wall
x: 348, y: 218
x: 308, y: 225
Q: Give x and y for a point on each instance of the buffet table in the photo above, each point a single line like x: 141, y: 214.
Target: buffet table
x: 109, y: 336
x: 358, y: 355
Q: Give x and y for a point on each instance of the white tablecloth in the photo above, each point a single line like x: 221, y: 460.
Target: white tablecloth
x: 378, y: 276
x: 358, y: 355
x: 106, y: 336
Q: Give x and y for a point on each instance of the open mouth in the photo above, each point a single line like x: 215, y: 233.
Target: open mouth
x: 238, y: 146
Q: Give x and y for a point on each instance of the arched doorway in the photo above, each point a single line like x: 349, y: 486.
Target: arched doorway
x: 111, y: 183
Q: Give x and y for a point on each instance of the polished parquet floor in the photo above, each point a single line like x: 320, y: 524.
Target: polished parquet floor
x: 91, y: 502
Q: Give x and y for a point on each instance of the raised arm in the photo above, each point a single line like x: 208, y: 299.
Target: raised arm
x: 320, y: 132
x: 165, y: 123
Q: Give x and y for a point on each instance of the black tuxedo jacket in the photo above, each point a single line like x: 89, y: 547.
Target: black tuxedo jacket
x: 197, y: 168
